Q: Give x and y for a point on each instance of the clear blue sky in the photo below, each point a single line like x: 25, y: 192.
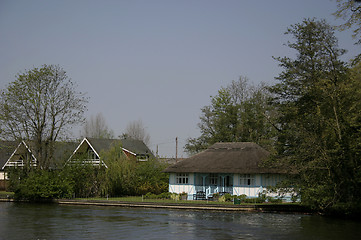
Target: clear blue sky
x: 154, y: 60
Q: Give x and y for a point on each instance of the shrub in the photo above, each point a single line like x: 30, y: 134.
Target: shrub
x: 273, y: 200
x: 165, y: 195
x: 149, y: 196
x: 222, y: 198
x: 41, y: 185
x: 175, y: 197
x: 242, y: 197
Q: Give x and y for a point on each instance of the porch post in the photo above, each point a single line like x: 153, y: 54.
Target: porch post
x: 223, y: 183
x: 204, y: 182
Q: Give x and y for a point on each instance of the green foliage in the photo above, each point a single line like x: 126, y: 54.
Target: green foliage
x: 127, y: 176
x: 151, y: 178
x: 227, y: 198
x: 120, y: 175
x: 175, y: 197
x: 351, y: 11
x: 165, y: 195
x: 43, y: 185
x: 318, y: 100
x: 87, y: 180
x: 238, y: 112
x: 74, y: 180
x: 261, y: 199
x: 124, y: 176
x: 40, y: 106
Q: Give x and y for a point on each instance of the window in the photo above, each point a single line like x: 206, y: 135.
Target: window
x: 142, y: 157
x: 182, y: 178
x: 91, y: 154
x: 213, y: 179
x: 228, y: 181
x: 246, y: 180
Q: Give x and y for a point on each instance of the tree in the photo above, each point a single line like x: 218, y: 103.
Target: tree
x: 318, y: 101
x: 240, y: 112
x: 40, y: 106
x: 126, y: 176
x: 136, y: 130
x: 96, y: 127
x: 350, y: 10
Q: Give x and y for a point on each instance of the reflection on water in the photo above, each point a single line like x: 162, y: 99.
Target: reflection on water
x: 48, y: 221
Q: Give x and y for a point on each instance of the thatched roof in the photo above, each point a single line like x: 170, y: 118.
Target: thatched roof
x: 234, y: 157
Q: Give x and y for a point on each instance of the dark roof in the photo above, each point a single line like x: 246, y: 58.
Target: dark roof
x: 62, y: 151
x: 233, y: 157
x: 6, y: 149
x: 135, y: 146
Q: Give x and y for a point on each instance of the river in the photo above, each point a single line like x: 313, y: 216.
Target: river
x: 52, y: 221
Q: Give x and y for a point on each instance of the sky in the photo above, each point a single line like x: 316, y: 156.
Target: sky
x: 158, y: 61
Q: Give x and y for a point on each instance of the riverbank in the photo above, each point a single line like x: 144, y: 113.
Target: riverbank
x: 281, y: 208
x: 185, y: 205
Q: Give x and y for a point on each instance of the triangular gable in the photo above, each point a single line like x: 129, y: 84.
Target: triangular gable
x: 85, y: 143
x: 130, y: 148
x: 15, y: 160
x: 136, y: 147
x: 6, y: 150
x: 127, y: 151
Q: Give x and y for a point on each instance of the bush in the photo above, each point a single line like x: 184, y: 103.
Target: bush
x: 125, y: 176
x: 273, y: 200
x: 175, y: 196
x: 40, y: 185
x: 87, y: 180
x: 165, y: 195
x: 242, y: 198
x: 150, y: 196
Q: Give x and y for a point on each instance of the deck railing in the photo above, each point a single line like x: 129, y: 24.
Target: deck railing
x: 212, y: 189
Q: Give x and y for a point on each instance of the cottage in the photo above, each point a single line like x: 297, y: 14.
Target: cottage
x: 6, y: 150
x: 23, y: 154
x: 233, y: 168
x: 90, y: 149
x: 20, y: 156
x: 15, y: 154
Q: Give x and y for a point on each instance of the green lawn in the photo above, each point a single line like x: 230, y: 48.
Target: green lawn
x: 4, y: 194
x: 140, y: 199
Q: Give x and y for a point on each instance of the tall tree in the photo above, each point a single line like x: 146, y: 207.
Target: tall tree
x: 96, y: 127
x: 136, y: 130
x: 40, y: 105
x: 350, y: 10
x: 318, y: 103
x: 240, y: 112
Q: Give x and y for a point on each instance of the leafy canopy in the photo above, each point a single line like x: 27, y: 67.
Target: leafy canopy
x: 41, y: 105
x: 238, y: 113
x: 318, y: 101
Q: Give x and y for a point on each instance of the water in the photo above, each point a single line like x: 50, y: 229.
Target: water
x: 51, y: 221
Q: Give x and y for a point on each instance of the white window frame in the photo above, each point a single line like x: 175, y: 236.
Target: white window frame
x: 213, y: 179
x: 182, y: 178
x: 247, y: 180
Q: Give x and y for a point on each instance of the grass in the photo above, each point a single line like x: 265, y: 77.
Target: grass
x: 136, y: 199
x: 140, y: 199
x: 4, y: 194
